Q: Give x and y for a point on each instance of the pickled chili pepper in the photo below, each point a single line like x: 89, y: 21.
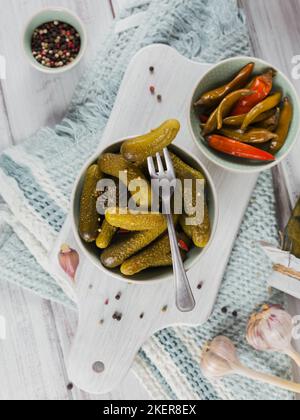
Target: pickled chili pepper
x: 269, y: 103
x: 211, y: 124
x: 227, y: 104
x: 253, y: 136
x: 284, y: 124
x: 238, y: 149
x: 272, y: 122
x: 215, y: 96
x: 237, y: 120
x: 261, y: 86
x: 183, y: 245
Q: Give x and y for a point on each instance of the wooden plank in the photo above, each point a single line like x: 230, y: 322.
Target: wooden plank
x: 30, y: 362
x: 34, y: 99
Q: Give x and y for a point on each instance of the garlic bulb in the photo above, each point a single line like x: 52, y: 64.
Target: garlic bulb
x: 68, y: 260
x: 270, y: 329
x: 217, y: 358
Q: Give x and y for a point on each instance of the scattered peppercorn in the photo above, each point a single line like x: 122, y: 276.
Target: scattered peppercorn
x: 55, y: 44
x: 235, y: 314
x: 159, y: 98
x: 200, y: 285
x: 117, y: 316
x: 142, y: 315
x: 152, y: 90
x: 224, y: 310
x: 151, y: 69
x: 165, y: 308
x: 70, y: 387
x: 106, y: 302
x: 118, y: 297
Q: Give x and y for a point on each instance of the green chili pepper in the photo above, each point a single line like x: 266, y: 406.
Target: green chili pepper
x: 227, y: 104
x: 211, y: 124
x: 254, y: 136
x: 270, y: 123
x: 269, y: 103
x: 215, y: 96
x: 282, y: 131
x: 237, y: 120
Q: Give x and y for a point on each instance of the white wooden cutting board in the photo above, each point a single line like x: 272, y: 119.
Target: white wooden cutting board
x: 104, y: 348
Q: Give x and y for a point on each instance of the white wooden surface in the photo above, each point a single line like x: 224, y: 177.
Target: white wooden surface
x: 32, y: 359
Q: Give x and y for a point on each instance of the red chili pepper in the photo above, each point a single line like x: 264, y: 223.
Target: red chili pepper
x: 261, y: 86
x: 183, y: 245
x: 204, y: 118
x: 238, y: 149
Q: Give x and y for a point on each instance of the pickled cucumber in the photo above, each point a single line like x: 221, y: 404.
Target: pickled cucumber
x: 124, y: 248
x: 106, y: 235
x: 200, y: 234
x: 140, y: 148
x: 187, y: 229
x: 185, y: 172
x: 118, y: 167
x: 156, y: 255
x: 135, y: 221
x: 89, y: 218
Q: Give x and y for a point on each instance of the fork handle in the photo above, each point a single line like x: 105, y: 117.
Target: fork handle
x: 185, y: 301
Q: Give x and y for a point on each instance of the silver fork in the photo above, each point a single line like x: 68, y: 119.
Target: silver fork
x: 185, y: 301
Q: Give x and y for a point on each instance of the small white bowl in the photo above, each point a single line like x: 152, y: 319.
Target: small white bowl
x: 220, y: 74
x: 48, y: 15
x: 155, y: 274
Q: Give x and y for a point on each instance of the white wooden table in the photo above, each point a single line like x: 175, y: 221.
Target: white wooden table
x: 39, y: 332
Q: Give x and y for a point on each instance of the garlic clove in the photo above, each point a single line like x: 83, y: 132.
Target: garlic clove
x: 69, y: 260
x: 218, y: 357
x: 270, y: 329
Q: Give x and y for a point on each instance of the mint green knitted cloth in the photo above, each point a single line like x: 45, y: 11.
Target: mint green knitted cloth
x: 36, y: 190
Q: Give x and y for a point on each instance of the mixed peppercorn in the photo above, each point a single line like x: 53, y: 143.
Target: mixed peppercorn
x: 55, y: 44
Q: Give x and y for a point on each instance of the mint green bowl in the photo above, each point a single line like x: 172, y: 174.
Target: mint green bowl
x: 219, y: 75
x: 155, y: 274
x: 48, y: 15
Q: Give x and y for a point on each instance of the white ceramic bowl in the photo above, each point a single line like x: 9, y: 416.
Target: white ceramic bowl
x: 220, y: 74
x: 48, y: 15
x: 151, y: 275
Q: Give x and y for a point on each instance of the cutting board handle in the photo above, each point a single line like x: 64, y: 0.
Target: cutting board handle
x: 90, y: 368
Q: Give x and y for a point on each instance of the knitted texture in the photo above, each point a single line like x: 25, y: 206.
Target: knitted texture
x: 36, y: 179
